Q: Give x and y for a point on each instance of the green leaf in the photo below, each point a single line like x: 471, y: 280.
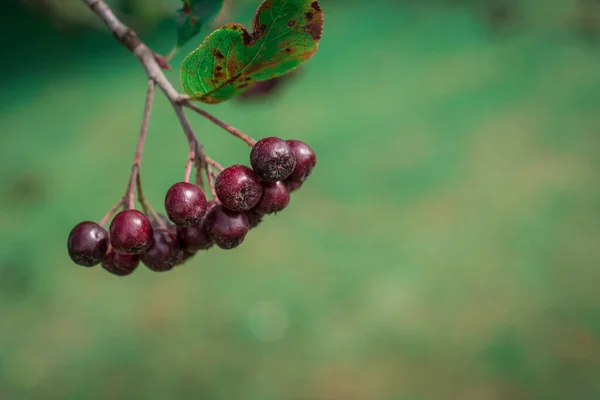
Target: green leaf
x: 285, y: 34
x: 193, y: 16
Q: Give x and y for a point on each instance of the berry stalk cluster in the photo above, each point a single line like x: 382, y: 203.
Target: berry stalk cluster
x: 242, y: 197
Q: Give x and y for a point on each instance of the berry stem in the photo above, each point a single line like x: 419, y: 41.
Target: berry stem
x: 234, y: 131
x: 200, y: 165
x: 195, y: 146
x: 135, y: 169
x: 146, y: 206
x: 211, y: 184
x: 111, y: 212
x: 213, y: 163
x: 190, y: 163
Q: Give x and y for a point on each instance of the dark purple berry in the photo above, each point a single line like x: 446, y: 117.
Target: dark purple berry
x: 306, y: 160
x: 195, y: 237
x: 120, y: 264
x: 164, y: 252
x: 210, y: 205
x: 272, y: 159
x: 185, y: 204
x: 186, y: 255
x: 227, y: 228
x: 275, y: 198
x: 238, y: 188
x: 293, y: 185
x: 254, y: 218
x: 130, y: 232
x: 162, y: 221
x: 87, y: 243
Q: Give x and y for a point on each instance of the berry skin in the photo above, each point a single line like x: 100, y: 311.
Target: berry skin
x: 130, y: 232
x: 227, y: 228
x: 254, y: 218
x: 157, y: 223
x: 293, y: 185
x: 186, y: 255
x: 195, y: 237
x: 238, y: 188
x: 87, y: 244
x: 185, y: 204
x: 275, y: 198
x: 164, y: 252
x: 272, y: 159
x: 210, y: 205
x: 120, y: 264
x: 306, y: 160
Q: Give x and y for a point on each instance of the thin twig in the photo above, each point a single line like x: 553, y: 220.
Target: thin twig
x: 234, y: 131
x: 213, y: 163
x: 200, y: 166
x: 190, y: 164
x: 146, y: 206
x: 131, y: 41
x: 195, y: 147
x: 135, y: 169
x: 211, y: 184
x: 148, y: 59
x: 110, y: 213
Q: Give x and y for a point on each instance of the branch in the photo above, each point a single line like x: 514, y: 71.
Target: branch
x: 130, y: 40
x: 152, y: 64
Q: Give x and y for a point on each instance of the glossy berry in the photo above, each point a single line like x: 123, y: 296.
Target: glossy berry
x: 210, y: 205
x: 120, y: 264
x: 162, y: 221
x: 227, y: 228
x: 164, y: 252
x: 254, y: 218
x: 238, y: 188
x: 272, y: 159
x: 130, y: 232
x: 185, y: 204
x: 275, y: 198
x: 186, y: 255
x: 293, y: 185
x: 306, y: 160
x: 195, y: 237
x: 87, y: 244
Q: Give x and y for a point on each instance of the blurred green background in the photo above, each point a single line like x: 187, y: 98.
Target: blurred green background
x: 447, y: 245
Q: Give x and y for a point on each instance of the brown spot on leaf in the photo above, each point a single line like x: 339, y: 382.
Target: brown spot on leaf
x: 309, y: 16
x: 218, y: 55
x: 218, y: 68
x: 314, y: 30
x: 232, y: 66
x: 193, y: 20
x: 219, y: 75
x: 186, y: 9
x: 291, y: 23
x: 248, y: 40
x: 190, y: 72
x: 315, y: 5
x: 288, y: 50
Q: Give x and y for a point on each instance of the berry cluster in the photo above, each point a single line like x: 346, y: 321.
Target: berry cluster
x: 242, y: 196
